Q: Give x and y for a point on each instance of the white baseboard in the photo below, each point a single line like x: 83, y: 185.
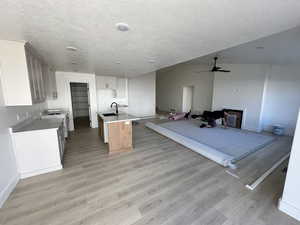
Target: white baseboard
x: 8, y: 189
x: 289, y: 209
x: 42, y: 171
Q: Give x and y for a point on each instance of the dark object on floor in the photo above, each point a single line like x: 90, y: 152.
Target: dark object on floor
x: 195, y: 116
x: 213, y: 115
x: 187, y: 115
x: 202, y: 125
x: 284, y: 170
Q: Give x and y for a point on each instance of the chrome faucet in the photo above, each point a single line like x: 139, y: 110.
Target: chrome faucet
x: 117, y: 110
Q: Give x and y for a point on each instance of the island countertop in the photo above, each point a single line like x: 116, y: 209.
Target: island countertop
x: 117, y: 118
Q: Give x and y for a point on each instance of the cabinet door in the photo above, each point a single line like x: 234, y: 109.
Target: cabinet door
x: 35, y: 72
x: 40, y: 80
x: 112, y: 82
x: 46, y: 79
x: 30, y: 68
x: 49, y: 82
x: 37, y: 79
x: 121, y: 87
x: 53, y: 83
x: 101, y: 127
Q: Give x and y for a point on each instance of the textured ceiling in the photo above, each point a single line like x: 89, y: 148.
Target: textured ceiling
x: 281, y: 48
x: 167, y: 31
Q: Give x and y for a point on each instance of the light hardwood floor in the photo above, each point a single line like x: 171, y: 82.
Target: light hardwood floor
x: 255, y: 165
x: 159, y: 182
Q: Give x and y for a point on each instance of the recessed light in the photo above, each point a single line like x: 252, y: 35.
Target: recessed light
x: 122, y: 26
x: 260, y: 47
x: 151, y: 61
x: 118, y: 62
x: 71, y: 48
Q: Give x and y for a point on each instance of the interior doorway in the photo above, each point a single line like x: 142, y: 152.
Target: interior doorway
x: 187, y: 98
x: 80, y: 105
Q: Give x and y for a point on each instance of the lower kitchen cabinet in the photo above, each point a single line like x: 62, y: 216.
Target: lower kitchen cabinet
x: 39, y: 151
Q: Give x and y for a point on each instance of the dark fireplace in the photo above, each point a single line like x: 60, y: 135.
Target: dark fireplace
x: 235, y: 118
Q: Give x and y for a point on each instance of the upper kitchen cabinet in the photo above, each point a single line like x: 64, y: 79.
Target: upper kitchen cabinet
x: 22, y: 74
x: 118, y: 84
x: 121, y: 88
x: 50, y: 82
x: 107, y: 82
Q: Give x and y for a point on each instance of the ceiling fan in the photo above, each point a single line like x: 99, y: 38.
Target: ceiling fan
x: 217, y: 68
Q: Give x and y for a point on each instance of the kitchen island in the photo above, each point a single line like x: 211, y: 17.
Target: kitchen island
x: 116, y: 130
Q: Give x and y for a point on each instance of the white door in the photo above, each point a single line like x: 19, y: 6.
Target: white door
x: 187, y: 98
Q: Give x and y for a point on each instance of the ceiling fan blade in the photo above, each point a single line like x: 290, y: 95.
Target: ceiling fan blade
x: 218, y: 68
x: 202, y: 71
x: 224, y: 71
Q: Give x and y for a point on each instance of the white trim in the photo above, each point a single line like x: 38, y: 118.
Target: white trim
x: 289, y: 209
x: 262, y: 108
x: 68, y: 88
x: 42, y: 171
x: 253, y: 185
x: 232, y: 174
x: 64, y: 79
x: 8, y: 189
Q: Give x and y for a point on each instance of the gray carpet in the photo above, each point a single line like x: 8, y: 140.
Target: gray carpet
x: 233, y: 142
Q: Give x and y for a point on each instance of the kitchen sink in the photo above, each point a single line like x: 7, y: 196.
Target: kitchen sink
x: 109, y: 114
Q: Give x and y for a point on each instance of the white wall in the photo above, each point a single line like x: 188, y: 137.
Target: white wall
x: 269, y: 94
x: 282, y: 97
x: 243, y: 89
x: 141, y: 95
x: 290, y: 201
x: 63, y: 80
x: 8, y: 117
x: 170, y: 85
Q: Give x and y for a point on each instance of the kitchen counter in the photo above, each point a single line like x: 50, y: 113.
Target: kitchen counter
x: 38, y: 124
x: 119, y: 118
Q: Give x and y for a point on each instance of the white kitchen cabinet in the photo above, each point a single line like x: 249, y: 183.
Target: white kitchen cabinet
x: 39, y: 147
x: 50, y: 82
x: 119, y: 85
x: 106, y: 82
x: 21, y: 74
x: 121, y: 91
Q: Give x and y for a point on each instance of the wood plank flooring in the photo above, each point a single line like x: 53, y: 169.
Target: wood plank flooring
x: 159, y: 182
x: 255, y: 165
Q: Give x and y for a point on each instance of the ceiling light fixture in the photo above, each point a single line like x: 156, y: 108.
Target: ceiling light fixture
x: 71, y: 48
x: 122, y: 27
x: 151, y: 61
